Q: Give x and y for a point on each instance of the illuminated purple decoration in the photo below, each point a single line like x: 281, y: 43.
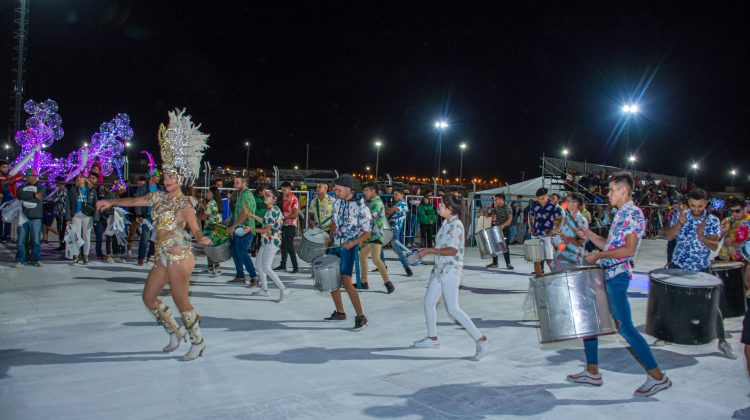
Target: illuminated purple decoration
x: 106, y: 147
x: 42, y: 130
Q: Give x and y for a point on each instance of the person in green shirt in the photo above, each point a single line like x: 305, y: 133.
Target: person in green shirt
x: 374, y: 244
x: 427, y: 219
x: 242, y: 236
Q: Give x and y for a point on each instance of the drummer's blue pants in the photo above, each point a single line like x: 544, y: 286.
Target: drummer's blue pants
x: 617, y: 290
x: 241, y: 256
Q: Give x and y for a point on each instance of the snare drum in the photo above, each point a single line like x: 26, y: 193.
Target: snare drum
x: 312, y: 245
x: 572, y: 304
x: 682, y: 306
x: 491, y: 242
x: 326, y: 273
x: 539, y: 249
x: 732, y: 299
x: 387, y: 233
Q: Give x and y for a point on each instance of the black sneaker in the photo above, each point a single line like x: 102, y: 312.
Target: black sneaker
x: 374, y: 271
x: 390, y: 287
x: 492, y: 265
x: 295, y: 270
x: 280, y: 268
x: 509, y: 267
x: 363, y: 286
x: 409, y: 273
x: 359, y: 323
x: 336, y: 316
x: 236, y: 280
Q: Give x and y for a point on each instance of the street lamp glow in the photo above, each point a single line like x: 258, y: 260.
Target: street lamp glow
x: 632, y: 158
x: 378, y: 143
x: 127, y: 144
x: 462, y: 146
x: 565, y: 152
x: 630, y: 109
x: 85, y: 144
x: 247, y: 143
x: 694, y: 166
x: 296, y: 167
x: 733, y: 172
x: 367, y: 168
x: 444, y: 172
x: 7, y: 146
x: 441, y: 124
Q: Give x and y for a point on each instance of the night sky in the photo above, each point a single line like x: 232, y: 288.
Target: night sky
x: 513, y: 83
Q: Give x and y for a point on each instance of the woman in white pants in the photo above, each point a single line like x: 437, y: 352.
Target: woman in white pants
x: 270, y: 243
x: 81, y: 201
x: 446, y: 277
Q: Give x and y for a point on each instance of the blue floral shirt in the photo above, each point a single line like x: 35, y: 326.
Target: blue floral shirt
x: 398, y: 217
x: 352, y: 218
x: 628, y: 220
x: 544, y: 217
x: 690, y: 253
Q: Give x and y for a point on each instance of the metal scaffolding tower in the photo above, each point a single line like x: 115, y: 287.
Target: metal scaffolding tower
x: 21, y: 36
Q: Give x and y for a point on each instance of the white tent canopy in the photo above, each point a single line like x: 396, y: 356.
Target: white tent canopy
x: 526, y: 189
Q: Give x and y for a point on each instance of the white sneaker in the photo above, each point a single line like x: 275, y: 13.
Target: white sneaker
x: 260, y: 292
x: 483, y: 347
x: 653, y: 385
x: 427, y: 343
x: 586, y: 377
x: 726, y: 349
x: 284, y: 294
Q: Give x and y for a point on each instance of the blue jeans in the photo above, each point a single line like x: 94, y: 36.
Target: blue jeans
x: 35, y: 228
x: 617, y: 290
x: 411, y: 227
x: 144, y: 244
x: 399, y: 248
x: 241, y: 255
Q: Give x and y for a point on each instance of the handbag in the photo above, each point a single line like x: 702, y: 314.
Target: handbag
x: 88, y: 210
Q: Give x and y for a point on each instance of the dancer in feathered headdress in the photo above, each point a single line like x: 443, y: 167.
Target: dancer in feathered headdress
x: 182, y: 147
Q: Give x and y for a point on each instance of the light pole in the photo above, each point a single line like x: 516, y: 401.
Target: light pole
x: 445, y: 173
x: 461, y: 165
x: 127, y: 160
x: 378, y: 143
x: 733, y: 172
x: 565, y: 159
x: 631, y: 160
x: 247, y: 155
x: 441, y: 126
x: 630, y: 110
x: 7, y: 151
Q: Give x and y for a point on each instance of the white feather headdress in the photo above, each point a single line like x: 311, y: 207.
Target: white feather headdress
x: 182, y: 146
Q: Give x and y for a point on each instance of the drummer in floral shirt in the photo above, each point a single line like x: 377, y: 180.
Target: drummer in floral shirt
x: 351, y: 225
x: 373, y: 245
x: 697, y: 233
x: 542, y: 217
x: 619, y: 249
x: 569, y: 248
x: 272, y: 221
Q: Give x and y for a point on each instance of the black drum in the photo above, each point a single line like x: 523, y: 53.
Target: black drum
x: 682, y: 306
x: 732, y: 301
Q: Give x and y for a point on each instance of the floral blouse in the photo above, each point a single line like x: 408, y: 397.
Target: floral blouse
x: 572, y: 253
x: 275, y: 220
x: 212, y: 213
x: 736, y: 232
x: 628, y: 220
x: 450, y: 235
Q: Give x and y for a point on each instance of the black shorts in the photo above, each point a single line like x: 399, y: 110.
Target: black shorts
x: 48, y: 218
x: 745, y: 337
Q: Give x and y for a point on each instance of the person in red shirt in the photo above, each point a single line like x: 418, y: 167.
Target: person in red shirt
x: 290, y: 211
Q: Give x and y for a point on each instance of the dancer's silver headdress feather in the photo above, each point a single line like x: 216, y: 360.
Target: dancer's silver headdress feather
x: 182, y: 146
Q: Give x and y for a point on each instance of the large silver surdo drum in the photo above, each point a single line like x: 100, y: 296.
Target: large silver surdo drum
x: 572, y: 304
x: 491, y: 242
x: 326, y: 273
x: 312, y: 245
x: 539, y: 249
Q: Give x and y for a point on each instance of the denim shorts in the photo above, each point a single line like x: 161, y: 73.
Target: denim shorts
x: 347, y: 257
